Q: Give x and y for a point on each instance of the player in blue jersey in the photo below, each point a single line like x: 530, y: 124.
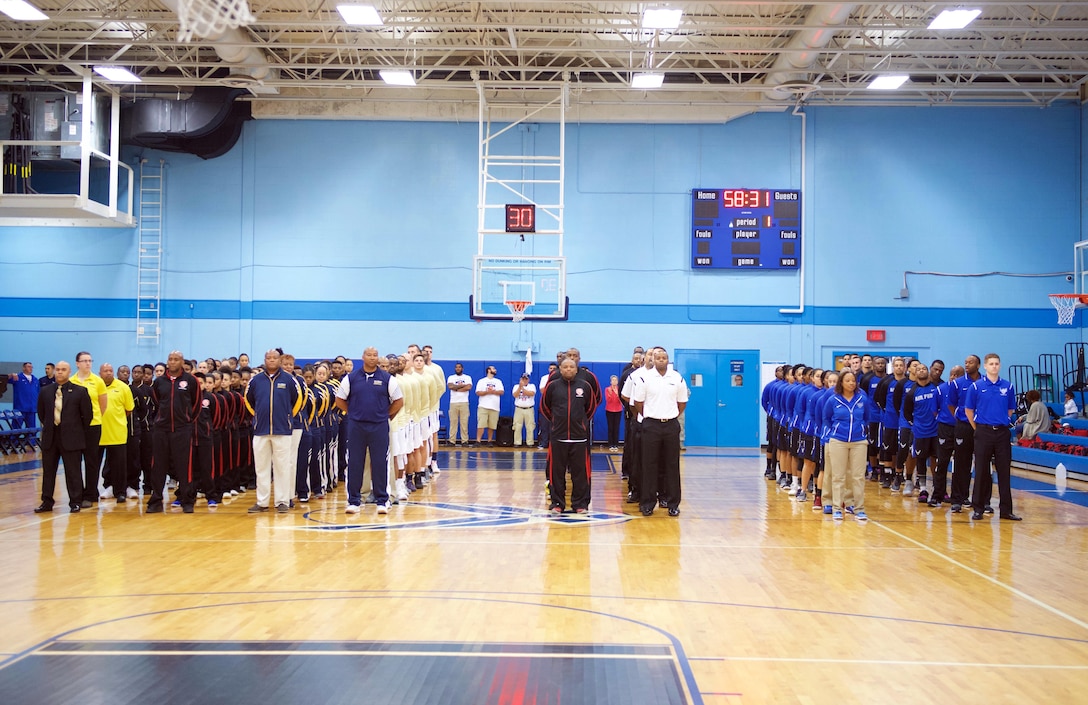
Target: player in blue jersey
x: 965, y: 434
x: 990, y: 404
x: 831, y: 377
x: 810, y: 437
x: 767, y: 402
x: 946, y: 439
x: 889, y: 421
x: 920, y: 408
x: 868, y: 384
x: 904, y: 459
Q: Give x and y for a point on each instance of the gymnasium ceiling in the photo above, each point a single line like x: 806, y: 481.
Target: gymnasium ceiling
x: 299, y: 59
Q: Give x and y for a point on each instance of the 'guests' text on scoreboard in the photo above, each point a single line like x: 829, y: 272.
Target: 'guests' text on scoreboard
x: 743, y: 228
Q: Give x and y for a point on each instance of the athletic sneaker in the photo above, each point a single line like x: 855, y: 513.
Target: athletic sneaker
x: 256, y: 508
x: 352, y: 509
x: 383, y: 508
x: 409, y: 484
x: 896, y: 484
x: 176, y: 503
x: 434, y: 466
x: 402, y: 490
x: 908, y: 487
x: 212, y: 504
x: 794, y: 488
x: 849, y: 509
x: 132, y: 494
x: 234, y: 493
x: 923, y: 497
x: 801, y: 496
x: 106, y: 493
x: 282, y: 508
x: 860, y: 515
x: 817, y: 503
x: 836, y: 515
x: 828, y: 509
x: 886, y: 482
x: 934, y: 502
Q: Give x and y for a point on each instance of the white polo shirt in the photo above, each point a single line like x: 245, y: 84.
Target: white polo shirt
x: 661, y: 394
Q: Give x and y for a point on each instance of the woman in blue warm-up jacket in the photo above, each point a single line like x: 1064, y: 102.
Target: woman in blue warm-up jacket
x: 844, y: 415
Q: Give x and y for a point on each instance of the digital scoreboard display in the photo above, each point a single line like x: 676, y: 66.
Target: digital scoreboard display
x: 744, y: 228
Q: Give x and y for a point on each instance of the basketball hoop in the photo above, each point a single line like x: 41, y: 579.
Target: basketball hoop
x: 1067, y: 304
x: 210, y: 18
x: 517, y: 310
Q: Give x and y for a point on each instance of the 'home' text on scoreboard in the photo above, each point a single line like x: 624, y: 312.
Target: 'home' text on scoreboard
x: 744, y: 228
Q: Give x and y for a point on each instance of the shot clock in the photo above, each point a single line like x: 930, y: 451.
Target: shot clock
x: 520, y: 218
x: 745, y: 228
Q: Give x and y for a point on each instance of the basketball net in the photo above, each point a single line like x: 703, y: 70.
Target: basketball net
x: 210, y: 18
x: 517, y: 310
x: 1067, y: 305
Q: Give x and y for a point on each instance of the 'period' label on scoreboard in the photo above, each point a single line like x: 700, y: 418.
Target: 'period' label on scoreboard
x: 746, y: 222
x: 745, y: 261
x: 745, y: 234
x: 703, y: 234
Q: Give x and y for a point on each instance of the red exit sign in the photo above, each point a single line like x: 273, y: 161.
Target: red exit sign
x: 874, y: 336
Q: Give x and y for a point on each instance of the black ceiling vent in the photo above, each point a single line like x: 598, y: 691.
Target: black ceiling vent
x: 208, y: 124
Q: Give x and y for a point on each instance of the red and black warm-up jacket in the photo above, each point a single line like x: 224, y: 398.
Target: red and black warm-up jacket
x: 569, y: 407
x: 177, y: 400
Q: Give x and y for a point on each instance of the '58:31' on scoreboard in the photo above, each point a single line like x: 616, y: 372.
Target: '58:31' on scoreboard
x: 741, y: 228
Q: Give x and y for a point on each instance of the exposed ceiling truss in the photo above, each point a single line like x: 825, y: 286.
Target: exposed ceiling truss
x: 726, y: 55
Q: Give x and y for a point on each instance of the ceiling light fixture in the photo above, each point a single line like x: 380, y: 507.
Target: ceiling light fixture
x: 117, y: 73
x: 397, y: 77
x: 21, y: 10
x: 887, y: 83
x: 647, y: 80
x: 661, y: 18
x: 954, y: 19
x: 360, y: 15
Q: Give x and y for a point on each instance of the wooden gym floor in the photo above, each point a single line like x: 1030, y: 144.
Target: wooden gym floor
x: 471, y: 593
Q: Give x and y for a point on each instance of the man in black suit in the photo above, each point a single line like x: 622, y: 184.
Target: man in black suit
x: 64, y: 411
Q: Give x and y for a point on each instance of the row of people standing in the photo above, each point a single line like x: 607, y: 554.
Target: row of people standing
x: 900, y: 423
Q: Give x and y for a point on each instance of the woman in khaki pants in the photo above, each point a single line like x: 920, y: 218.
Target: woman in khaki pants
x: 844, y: 414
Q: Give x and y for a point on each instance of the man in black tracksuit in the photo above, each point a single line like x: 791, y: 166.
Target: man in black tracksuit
x: 178, y: 399
x: 568, y: 405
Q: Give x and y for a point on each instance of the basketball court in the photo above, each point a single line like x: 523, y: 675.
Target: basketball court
x: 473, y: 593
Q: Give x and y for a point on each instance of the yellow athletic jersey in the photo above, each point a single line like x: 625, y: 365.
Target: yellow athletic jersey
x: 410, y: 388
x: 426, y: 391
x: 438, y: 385
x: 115, y: 420
x: 96, y: 388
x: 401, y: 419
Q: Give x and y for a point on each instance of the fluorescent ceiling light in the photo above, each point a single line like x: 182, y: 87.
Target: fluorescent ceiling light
x: 887, y: 83
x: 364, y: 15
x: 647, y: 80
x: 21, y: 10
x: 661, y: 18
x: 117, y: 73
x: 954, y: 19
x: 397, y: 77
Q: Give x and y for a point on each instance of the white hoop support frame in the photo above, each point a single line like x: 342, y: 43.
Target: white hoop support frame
x: 1067, y: 305
x: 517, y: 310
x: 210, y: 18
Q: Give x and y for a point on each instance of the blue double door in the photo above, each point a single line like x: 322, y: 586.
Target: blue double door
x: 723, y: 409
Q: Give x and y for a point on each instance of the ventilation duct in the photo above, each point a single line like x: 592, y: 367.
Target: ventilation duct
x: 208, y: 124
x: 793, y: 65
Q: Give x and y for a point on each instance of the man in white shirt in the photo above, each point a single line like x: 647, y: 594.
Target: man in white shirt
x: 632, y: 446
x: 659, y: 400
x: 524, y: 404
x: 489, y: 390
x: 459, y: 385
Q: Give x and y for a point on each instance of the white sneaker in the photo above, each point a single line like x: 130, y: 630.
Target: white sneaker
x: 794, y: 487
x: 402, y: 490
x: 434, y: 466
x: 106, y: 493
x: 383, y: 508
x: 132, y: 494
x: 234, y: 493
x: 352, y: 509
x: 908, y: 487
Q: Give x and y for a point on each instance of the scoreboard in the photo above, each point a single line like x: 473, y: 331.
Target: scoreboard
x: 743, y: 228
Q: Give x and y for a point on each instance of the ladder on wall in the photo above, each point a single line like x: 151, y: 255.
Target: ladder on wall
x: 149, y: 258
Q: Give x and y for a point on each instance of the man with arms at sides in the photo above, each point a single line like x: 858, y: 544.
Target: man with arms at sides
x: 115, y: 434
x: 920, y: 409
x: 177, y: 399
x: 568, y: 405
x: 964, y: 454
x: 936, y: 369
x: 659, y: 400
x: 628, y: 411
x: 25, y: 388
x: 489, y: 390
x: 64, y: 412
x: 889, y: 421
x: 772, y: 432
x: 438, y: 388
x: 92, y: 451
x: 990, y: 404
x: 459, y: 385
x: 946, y: 439
x: 868, y: 385
x: 273, y: 398
x: 370, y: 397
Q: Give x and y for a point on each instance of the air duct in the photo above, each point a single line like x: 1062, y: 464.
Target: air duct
x: 792, y: 65
x: 208, y: 124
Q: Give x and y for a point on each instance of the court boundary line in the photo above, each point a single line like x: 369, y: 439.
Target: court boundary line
x: 1016, y: 591
x: 891, y: 662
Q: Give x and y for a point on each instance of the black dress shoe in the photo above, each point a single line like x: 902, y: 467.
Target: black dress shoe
x: 154, y: 508
x: 663, y: 503
x: 632, y: 498
x: 187, y: 508
x: 976, y: 515
x: 674, y: 512
x: 1011, y: 517
x: 648, y: 512
x: 43, y: 508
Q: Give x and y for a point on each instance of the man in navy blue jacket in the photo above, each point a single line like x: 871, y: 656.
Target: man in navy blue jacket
x: 273, y: 397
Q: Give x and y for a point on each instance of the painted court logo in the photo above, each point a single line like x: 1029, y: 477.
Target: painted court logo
x: 447, y: 515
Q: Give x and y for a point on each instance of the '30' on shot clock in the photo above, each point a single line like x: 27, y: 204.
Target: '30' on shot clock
x: 520, y: 218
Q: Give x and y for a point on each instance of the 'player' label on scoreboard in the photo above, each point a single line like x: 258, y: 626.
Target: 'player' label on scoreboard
x: 745, y: 234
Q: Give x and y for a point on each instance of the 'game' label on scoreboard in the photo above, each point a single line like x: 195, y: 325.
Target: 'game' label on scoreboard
x: 745, y: 261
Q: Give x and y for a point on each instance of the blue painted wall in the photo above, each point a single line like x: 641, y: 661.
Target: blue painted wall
x: 325, y: 237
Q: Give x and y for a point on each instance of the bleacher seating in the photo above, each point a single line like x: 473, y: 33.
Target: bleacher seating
x: 13, y: 439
